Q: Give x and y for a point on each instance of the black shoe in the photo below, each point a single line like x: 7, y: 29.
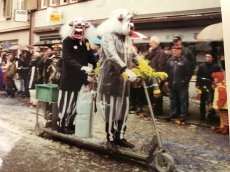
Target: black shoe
x: 158, y: 113
x: 132, y: 108
x: 111, y: 146
x: 139, y: 110
x: 202, y: 118
x: 11, y: 96
x: 182, y: 119
x: 65, y: 130
x: 171, y: 117
x: 123, y: 143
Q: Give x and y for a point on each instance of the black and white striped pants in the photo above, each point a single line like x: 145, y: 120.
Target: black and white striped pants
x: 67, y: 101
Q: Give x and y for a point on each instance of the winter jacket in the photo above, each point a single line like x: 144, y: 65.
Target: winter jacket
x: 187, y: 53
x: 179, y: 72
x: 11, y: 68
x: 35, y: 73
x: 205, y: 70
x: 157, y: 59
x: 220, y: 97
x: 75, y: 55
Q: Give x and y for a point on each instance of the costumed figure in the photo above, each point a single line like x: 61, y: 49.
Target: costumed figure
x: 76, y: 54
x: 220, y: 102
x: 117, y: 54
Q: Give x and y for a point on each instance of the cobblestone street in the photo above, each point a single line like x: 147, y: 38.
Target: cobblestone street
x: 193, y: 148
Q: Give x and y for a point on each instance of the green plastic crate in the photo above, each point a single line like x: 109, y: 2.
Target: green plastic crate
x: 47, y: 92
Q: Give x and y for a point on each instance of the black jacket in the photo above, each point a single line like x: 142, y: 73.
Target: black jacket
x: 157, y: 59
x: 74, y: 57
x: 205, y: 70
x: 179, y: 72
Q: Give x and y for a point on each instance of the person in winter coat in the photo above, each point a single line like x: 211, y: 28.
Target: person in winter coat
x: 204, y: 82
x: 76, y: 53
x: 24, y: 70
x: 179, y: 73
x: 35, y: 71
x: 117, y: 55
x: 10, y: 72
x: 220, y: 101
x: 157, y: 59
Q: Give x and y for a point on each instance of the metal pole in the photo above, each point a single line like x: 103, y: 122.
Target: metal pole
x: 152, y: 116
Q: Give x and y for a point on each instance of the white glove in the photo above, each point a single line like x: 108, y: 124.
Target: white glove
x: 86, y: 69
x: 131, y: 76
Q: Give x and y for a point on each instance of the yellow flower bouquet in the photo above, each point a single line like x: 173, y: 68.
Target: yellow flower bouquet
x: 143, y: 70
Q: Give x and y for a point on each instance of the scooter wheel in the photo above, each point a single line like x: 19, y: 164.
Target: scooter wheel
x: 167, y: 165
x: 38, y: 130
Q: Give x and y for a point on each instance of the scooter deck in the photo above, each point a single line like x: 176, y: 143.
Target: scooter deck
x: 100, y: 145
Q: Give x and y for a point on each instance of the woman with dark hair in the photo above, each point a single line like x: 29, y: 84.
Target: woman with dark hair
x: 23, y: 68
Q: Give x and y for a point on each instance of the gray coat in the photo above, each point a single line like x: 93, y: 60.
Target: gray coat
x: 117, y: 53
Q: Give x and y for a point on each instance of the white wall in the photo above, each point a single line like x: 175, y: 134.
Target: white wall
x: 6, y: 25
x: 100, y: 9
x: 22, y: 36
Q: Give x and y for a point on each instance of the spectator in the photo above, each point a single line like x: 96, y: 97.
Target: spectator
x: 157, y: 59
x: 35, y: 71
x: 187, y: 53
x: 179, y: 70
x: 46, y: 63
x: 220, y: 102
x: 10, y: 72
x: 204, y: 82
x: 3, y: 58
x: 137, y: 94
x: 52, y: 69
x: 24, y: 70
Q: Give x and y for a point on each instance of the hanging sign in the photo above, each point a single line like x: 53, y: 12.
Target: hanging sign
x: 54, y: 15
x: 20, y: 15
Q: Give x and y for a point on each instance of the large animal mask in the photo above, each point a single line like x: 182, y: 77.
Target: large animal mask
x: 78, y: 27
x: 119, y: 21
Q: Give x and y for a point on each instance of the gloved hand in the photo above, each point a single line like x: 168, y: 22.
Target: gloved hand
x: 131, y: 76
x: 86, y: 69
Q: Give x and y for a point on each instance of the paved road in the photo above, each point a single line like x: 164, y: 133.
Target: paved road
x: 193, y: 148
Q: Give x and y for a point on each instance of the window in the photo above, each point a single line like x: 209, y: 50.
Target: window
x: 19, y: 4
x: 2, y: 9
x: 63, y: 1
x: 74, y: 0
x: 44, y: 4
x: 52, y: 2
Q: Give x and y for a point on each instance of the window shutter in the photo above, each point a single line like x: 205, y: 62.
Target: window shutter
x: 8, y: 9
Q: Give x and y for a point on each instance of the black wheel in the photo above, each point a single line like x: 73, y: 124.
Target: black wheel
x: 38, y: 130
x: 167, y: 165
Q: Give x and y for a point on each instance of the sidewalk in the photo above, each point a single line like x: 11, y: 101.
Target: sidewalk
x: 193, y: 118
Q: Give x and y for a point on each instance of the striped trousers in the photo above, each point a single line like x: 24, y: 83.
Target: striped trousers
x: 67, y: 101
x: 115, y: 112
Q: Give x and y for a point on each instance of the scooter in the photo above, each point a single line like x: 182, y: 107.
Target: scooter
x: 152, y: 152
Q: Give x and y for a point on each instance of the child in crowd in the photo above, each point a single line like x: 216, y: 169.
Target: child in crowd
x: 53, y: 70
x: 220, y: 102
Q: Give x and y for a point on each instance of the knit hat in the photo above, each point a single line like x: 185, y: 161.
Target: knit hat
x: 218, y: 75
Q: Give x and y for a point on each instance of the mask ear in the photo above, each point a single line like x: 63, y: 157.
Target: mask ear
x: 71, y: 23
x: 87, y: 25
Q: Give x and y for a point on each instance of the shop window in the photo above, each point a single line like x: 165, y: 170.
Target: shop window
x: 52, y: 2
x: 63, y: 1
x: 43, y: 3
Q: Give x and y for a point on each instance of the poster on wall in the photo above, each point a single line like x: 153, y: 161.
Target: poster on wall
x: 54, y: 15
x: 20, y: 15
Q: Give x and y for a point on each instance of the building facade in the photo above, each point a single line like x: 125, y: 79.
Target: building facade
x: 14, y: 23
